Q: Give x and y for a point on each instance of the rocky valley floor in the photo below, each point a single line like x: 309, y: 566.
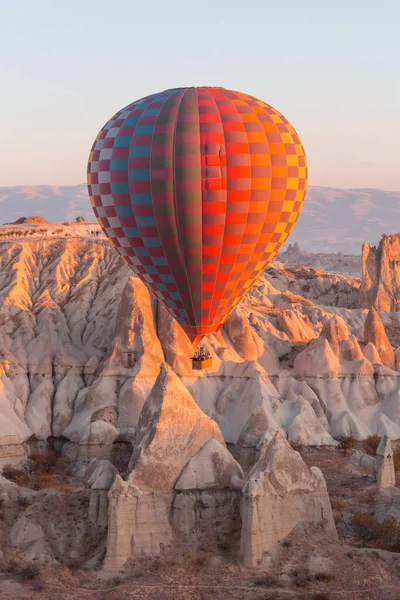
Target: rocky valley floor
x: 306, y: 564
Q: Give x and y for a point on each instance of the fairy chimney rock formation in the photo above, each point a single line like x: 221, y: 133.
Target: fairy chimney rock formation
x: 385, y: 474
x: 171, y: 431
x: 281, y: 493
x: 375, y: 333
x: 380, y: 285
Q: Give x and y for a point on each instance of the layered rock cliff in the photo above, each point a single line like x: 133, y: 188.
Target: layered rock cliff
x: 82, y: 342
x: 380, y: 286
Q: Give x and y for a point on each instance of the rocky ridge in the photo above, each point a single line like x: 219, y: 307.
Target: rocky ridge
x: 380, y: 286
x: 346, y: 264
x: 82, y: 343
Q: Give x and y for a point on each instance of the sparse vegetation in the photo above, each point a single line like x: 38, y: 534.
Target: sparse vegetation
x: 377, y: 534
x: 120, y: 456
x: 346, y: 443
x: 371, y: 444
x: 323, y: 576
x: 267, y: 580
x: 301, y: 579
x: 338, y: 507
x: 42, y: 470
x: 12, y: 473
x: 29, y: 572
x: 396, y: 458
x: 24, y: 572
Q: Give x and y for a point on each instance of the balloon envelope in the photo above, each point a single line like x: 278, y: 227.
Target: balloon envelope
x: 197, y: 189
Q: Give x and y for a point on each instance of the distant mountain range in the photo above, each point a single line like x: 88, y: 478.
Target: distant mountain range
x: 332, y: 219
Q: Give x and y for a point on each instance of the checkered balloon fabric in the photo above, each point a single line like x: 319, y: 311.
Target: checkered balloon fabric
x: 197, y: 189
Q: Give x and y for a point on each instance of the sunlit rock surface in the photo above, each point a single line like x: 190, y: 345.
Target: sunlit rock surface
x: 83, y: 341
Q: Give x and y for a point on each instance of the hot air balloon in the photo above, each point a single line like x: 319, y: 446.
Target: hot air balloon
x: 197, y: 188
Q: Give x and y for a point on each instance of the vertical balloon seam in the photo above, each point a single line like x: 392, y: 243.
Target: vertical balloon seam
x: 210, y: 321
x: 249, y: 203
x: 266, y: 259
x: 262, y: 228
x: 190, y: 313
x: 131, y: 194
x: 189, y: 201
x: 238, y: 295
x: 208, y: 95
x: 218, y: 320
x: 269, y: 195
x: 173, y: 112
x: 176, y: 283
x: 168, y: 97
x: 279, y: 245
x: 176, y: 207
x: 125, y: 258
x: 200, y: 325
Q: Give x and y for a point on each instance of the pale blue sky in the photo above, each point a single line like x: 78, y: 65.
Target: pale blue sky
x: 331, y: 67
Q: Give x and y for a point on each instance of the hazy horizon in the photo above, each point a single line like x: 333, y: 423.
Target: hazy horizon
x: 310, y: 185
x: 332, y: 219
x: 330, y: 69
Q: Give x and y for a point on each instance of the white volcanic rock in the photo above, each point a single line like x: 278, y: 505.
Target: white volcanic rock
x: 212, y: 467
x: 381, y: 275
x: 99, y: 474
x: 291, y: 389
x: 328, y: 289
x: 175, y: 343
x: 247, y: 343
x: 138, y: 523
x: 371, y: 353
x: 13, y: 429
x: 335, y: 331
x: 231, y: 401
x: 260, y: 427
x: 171, y: 430
x: 346, y: 423
x: 297, y: 327
x: 335, y: 353
x: 397, y: 358
x: 305, y: 428
x: 281, y: 493
x: 64, y: 401
x: 385, y: 473
x: 244, y: 339
x: 38, y: 410
x: 134, y: 334
x: 131, y: 399
x: 317, y: 360
x: 81, y: 339
x: 257, y: 424
x: 85, y: 427
x: 374, y: 332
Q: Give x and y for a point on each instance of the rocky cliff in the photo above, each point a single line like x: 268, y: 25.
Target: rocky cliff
x: 82, y: 342
x: 380, y: 286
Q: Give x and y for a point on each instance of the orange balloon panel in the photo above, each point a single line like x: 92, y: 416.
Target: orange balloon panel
x: 198, y: 188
